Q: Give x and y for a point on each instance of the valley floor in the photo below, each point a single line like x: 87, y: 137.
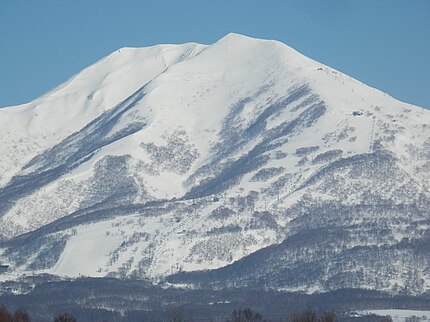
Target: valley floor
x: 91, y: 299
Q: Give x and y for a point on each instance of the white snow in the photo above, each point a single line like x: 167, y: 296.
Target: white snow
x: 190, y: 88
x: 88, y: 250
x: 399, y: 315
x: 30, y: 128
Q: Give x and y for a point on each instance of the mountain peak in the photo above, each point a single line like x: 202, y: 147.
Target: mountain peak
x: 240, y: 38
x: 233, y: 35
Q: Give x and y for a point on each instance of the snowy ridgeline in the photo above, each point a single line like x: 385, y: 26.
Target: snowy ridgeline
x: 242, y: 163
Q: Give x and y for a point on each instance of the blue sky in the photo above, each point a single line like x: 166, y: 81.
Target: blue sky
x: 384, y: 43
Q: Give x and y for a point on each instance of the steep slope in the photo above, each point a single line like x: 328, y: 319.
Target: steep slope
x: 48, y: 137
x: 243, y: 157
x: 31, y: 128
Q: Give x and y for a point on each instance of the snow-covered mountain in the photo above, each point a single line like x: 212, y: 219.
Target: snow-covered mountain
x: 239, y: 163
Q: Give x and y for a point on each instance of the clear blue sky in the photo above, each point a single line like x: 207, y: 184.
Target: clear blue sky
x: 384, y: 43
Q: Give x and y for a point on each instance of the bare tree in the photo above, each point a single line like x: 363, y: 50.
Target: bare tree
x: 66, y: 317
x: 176, y: 316
x: 387, y: 319
x: 306, y: 316
x: 328, y: 317
x: 21, y: 316
x: 245, y: 315
x: 5, y: 315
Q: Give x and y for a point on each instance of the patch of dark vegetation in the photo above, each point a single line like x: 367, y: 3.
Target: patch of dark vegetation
x: 327, y: 156
x: 305, y: 151
x: 267, y: 173
x: 237, y: 315
x: 91, y: 299
x: 222, y: 213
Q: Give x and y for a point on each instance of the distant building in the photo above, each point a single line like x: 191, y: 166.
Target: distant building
x: 3, y: 268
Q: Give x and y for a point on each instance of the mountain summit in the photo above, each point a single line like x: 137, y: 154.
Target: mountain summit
x: 241, y: 163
